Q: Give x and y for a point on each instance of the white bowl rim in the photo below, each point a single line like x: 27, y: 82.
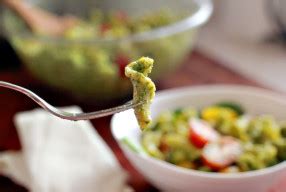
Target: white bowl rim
x: 257, y: 91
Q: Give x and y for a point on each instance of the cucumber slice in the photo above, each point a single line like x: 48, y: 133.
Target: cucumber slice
x: 231, y: 105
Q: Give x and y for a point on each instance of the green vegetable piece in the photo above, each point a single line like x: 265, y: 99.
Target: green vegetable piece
x: 143, y: 88
x: 178, y: 112
x: 131, y: 145
x: 234, y: 106
x: 205, y: 169
x: 283, y: 131
x: 281, y: 147
x: 151, y: 142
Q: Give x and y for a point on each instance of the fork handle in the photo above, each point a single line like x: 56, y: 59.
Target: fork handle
x: 63, y: 114
x: 38, y: 100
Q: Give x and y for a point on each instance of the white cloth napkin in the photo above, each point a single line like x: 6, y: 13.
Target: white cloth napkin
x: 61, y: 156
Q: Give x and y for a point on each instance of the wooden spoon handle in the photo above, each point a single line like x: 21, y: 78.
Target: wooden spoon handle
x: 37, y: 19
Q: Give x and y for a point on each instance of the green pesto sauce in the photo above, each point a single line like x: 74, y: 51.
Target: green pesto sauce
x: 143, y: 88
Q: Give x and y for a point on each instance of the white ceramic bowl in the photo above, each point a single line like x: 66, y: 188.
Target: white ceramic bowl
x: 168, y: 177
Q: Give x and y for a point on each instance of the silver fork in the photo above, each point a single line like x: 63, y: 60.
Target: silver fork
x: 64, y: 114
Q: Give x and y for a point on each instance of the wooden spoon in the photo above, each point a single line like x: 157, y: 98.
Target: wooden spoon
x: 41, y: 21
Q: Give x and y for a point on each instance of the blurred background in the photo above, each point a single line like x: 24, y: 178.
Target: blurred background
x: 193, y: 42
x: 249, y: 38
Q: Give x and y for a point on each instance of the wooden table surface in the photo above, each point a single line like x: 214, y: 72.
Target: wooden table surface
x: 196, y: 70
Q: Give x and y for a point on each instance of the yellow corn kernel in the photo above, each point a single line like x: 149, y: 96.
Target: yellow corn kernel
x: 187, y: 164
x: 214, y: 113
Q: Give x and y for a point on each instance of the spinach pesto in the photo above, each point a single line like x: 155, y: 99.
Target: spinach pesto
x: 143, y: 88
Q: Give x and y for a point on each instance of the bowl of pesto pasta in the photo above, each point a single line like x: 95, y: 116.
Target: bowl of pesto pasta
x: 211, y: 138
x: 88, y: 59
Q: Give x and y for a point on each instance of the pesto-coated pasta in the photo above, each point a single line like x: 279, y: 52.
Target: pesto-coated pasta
x: 143, y: 88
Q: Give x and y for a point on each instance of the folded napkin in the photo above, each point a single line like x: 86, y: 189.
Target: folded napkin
x: 61, y: 156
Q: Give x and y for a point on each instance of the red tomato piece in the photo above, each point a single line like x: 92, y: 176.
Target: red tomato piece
x: 222, y: 153
x: 201, y: 133
x: 104, y: 27
x: 122, y: 61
